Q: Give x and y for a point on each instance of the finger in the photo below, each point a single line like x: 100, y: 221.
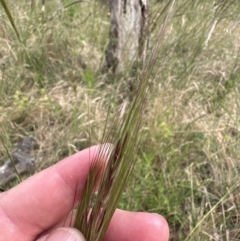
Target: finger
x: 128, y: 226
x: 47, y: 197
x: 63, y: 234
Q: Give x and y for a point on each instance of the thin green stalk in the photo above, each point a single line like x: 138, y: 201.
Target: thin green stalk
x: 10, y: 18
x: 228, y: 192
x: 10, y: 158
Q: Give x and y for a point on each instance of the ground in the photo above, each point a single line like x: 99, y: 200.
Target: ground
x: 52, y: 87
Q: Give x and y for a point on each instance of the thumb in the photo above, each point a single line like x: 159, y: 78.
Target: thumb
x: 65, y: 234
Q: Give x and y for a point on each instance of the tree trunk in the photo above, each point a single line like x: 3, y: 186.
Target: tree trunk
x: 129, y: 19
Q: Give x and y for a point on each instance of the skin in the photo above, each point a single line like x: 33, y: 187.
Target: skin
x: 40, y: 204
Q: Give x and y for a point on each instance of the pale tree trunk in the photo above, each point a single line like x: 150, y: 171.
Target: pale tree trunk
x: 129, y: 19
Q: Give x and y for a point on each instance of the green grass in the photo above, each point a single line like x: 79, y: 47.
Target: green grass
x: 188, y: 167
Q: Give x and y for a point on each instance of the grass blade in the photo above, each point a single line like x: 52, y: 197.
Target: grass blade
x: 10, y: 18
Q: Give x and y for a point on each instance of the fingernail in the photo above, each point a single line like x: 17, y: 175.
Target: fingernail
x: 66, y: 234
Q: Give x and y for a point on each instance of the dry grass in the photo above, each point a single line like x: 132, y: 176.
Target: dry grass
x: 188, y: 169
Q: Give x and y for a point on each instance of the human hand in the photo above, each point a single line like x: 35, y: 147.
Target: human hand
x: 37, y: 208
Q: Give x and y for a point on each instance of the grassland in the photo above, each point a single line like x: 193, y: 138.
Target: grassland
x: 52, y: 87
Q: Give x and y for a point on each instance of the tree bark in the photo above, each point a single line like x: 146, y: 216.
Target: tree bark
x: 127, y: 44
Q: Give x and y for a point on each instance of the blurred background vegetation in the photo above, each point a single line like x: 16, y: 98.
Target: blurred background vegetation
x: 52, y: 87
